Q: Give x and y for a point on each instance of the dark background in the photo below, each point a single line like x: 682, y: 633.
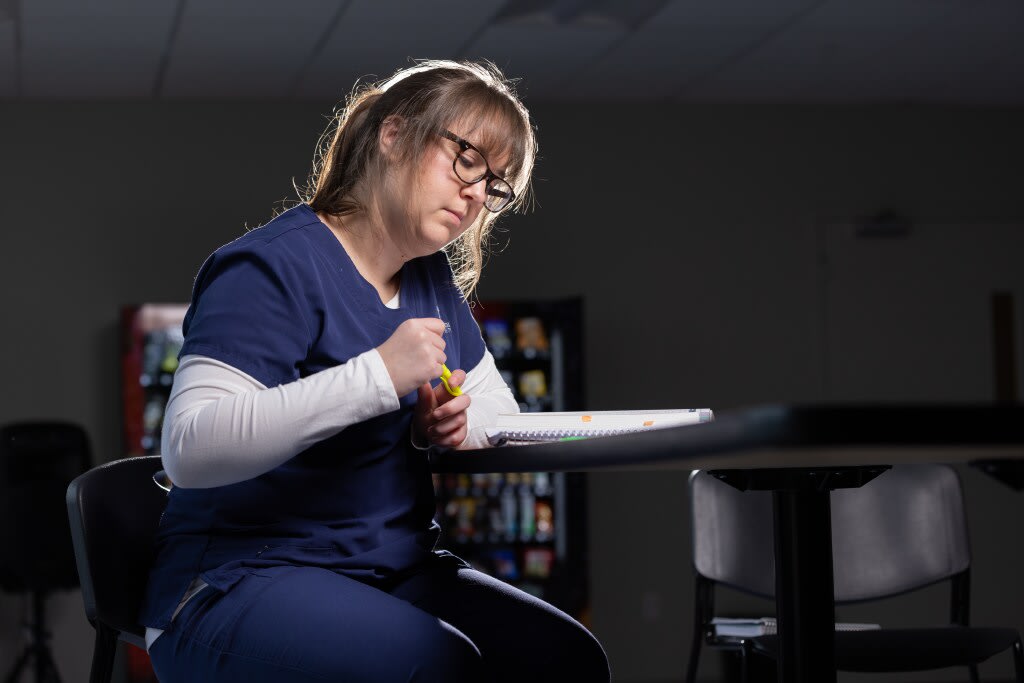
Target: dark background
x: 715, y: 241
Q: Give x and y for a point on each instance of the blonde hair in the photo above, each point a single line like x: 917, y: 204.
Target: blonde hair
x: 428, y: 97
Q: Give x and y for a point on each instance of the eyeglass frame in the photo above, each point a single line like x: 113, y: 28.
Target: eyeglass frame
x: 488, y: 175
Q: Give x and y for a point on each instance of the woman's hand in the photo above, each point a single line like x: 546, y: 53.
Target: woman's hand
x: 414, y: 353
x: 440, y: 418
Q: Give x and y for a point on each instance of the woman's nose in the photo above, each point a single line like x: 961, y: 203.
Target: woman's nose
x: 476, y: 192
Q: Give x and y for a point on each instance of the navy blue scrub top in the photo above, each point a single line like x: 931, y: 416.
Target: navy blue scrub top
x: 280, y: 303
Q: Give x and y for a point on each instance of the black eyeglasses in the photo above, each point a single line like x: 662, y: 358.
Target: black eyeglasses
x: 471, y: 167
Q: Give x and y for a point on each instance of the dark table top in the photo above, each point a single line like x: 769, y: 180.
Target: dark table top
x: 779, y: 436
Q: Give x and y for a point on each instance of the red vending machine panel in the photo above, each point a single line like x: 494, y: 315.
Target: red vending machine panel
x: 150, y: 341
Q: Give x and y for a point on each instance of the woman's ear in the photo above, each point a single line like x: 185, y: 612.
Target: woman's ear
x: 390, y: 129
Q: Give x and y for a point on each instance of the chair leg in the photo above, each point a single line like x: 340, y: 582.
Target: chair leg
x: 695, y: 645
x: 103, y: 652
x: 1018, y: 660
x: 972, y: 672
x: 703, y: 601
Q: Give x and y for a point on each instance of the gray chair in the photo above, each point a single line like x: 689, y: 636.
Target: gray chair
x: 115, y: 512
x: 900, y: 532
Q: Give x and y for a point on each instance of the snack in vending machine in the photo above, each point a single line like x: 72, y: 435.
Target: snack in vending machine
x: 545, y: 519
x: 496, y: 333
x: 533, y: 385
x: 527, y: 522
x: 537, y: 562
x: 504, y: 561
x: 509, y: 512
x: 531, y: 338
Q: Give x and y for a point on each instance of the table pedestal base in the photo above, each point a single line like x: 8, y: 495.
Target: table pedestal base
x: 804, y: 587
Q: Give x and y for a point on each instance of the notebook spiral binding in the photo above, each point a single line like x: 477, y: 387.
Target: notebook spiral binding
x: 556, y: 434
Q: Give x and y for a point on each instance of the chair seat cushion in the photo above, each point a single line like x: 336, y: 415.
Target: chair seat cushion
x: 910, y: 649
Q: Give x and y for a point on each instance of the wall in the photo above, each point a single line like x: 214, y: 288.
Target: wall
x: 694, y: 233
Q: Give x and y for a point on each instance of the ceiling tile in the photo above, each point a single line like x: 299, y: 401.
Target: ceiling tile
x: 871, y: 50
x: 66, y: 9
x: 244, y: 48
x: 968, y: 51
x: 102, y: 48
x: 680, y: 44
x: 554, y: 53
x: 979, y: 54
x: 374, y: 38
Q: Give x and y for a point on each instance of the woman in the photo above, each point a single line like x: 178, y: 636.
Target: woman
x: 298, y: 538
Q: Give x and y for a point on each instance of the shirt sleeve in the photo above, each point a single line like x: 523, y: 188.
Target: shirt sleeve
x: 250, y: 311
x: 223, y: 426
x: 490, y: 397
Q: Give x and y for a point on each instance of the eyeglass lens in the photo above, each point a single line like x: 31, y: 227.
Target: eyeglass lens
x: 471, y: 167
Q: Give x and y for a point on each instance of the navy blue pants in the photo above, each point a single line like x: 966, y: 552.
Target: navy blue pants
x: 445, y: 623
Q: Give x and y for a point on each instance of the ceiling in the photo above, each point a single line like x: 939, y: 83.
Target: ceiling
x: 933, y: 51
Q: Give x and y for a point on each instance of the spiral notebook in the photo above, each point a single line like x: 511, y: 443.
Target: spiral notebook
x: 526, y: 428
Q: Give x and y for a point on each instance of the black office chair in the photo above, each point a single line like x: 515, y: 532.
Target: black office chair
x: 37, y: 461
x: 115, y: 512
x: 900, y: 532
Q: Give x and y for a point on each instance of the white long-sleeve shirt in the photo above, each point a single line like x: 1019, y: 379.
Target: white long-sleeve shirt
x: 221, y: 426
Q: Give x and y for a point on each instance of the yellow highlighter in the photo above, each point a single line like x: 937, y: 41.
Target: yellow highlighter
x: 445, y: 374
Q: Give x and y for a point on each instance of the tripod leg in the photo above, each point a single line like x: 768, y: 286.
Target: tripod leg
x: 15, y: 672
x: 38, y: 649
x: 46, y: 667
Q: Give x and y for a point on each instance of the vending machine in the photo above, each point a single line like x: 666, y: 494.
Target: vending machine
x: 527, y: 529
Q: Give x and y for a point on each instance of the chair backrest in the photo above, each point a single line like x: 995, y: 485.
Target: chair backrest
x: 115, y: 513
x: 903, y: 530
x: 37, y: 462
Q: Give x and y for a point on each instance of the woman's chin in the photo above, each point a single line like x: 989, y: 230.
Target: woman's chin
x: 439, y: 236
